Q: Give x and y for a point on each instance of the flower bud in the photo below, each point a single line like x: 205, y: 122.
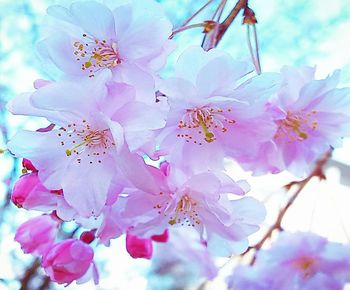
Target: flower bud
x: 67, y: 261
x: 138, y: 247
x: 88, y: 236
x: 37, y: 234
x: 29, y: 193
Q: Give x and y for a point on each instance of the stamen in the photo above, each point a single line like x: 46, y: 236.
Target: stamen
x: 305, y: 264
x: 96, y: 54
x: 209, y: 120
x: 297, y: 126
x: 2, y: 150
x: 83, y: 138
x: 185, y: 212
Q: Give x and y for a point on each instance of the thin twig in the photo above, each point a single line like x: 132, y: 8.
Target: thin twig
x: 254, y: 55
x: 212, y: 35
x: 188, y: 20
x: 29, y: 274
x: 257, y: 49
x: 317, y: 172
x: 183, y: 28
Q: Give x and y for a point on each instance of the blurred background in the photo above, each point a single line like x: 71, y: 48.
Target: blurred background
x: 290, y: 32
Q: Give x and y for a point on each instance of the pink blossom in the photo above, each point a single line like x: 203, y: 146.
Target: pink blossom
x: 37, y: 234
x: 311, y: 117
x: 184, y: 257
x: 112, y: 226
x: 296, y: 261
x: 29, y: 193
x: 67, y: 261
x: 139, y: 247
x: 114, y: 220
x: 207, y: 117
x: 198, y: 202
x: 96, y: 126
x: 129, y: 38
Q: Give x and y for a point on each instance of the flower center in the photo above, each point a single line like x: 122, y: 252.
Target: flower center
x: 305, y: 264
x: 96, y: 54
x: 81, y: 138
x: 296, y: 126
x: 185, y: 212
x: 204, y: 123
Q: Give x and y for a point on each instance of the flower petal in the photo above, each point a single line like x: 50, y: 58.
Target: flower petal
x: 95, y: 18
x: 85, y: 187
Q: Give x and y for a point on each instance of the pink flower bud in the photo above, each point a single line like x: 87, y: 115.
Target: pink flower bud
x: 67, y: 261
x: 138, y: 247
x: 88, y: 237
x: 29, y: 193
x: 27, y: 164
x: 37, y: 234
x: 162, y: 238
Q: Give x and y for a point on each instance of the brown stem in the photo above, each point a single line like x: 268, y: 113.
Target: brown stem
x: 209, y: 39
x: 45, y: 284
x: 29, y: 274
x: 241, y: 4
x: 183, y: 28
x: 317, y: 172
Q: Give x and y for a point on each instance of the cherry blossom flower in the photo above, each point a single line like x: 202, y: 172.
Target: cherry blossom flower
x: 311, y: 116
x: 111, y: 114
x: 185, y: 256
x: 37, y: 234
x: 129, y: 38
x: 96, y: 126
x: 296, y: 261
x: 198, y: 202
x: 68, y: 260
x: 206, y: 116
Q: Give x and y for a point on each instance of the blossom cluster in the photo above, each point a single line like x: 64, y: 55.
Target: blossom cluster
x: 110, y: 112
x: 296, y: 261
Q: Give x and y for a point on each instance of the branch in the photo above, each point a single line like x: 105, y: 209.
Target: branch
x: 209, y: 39
x: 241, y: 4
x: 317, y: 172
x: 29, y: 274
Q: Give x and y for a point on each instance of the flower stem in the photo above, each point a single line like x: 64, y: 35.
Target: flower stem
x: 183, y: 28
x: 254, y: 55
x: 317, y: 172
x: 241, y: 4
x: 188, y: 20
